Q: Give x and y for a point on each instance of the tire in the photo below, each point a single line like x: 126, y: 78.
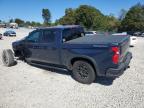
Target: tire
x: 83, y: 72
x: 8, y: 58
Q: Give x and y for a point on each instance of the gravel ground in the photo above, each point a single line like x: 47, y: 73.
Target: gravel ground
x: 24, y: 86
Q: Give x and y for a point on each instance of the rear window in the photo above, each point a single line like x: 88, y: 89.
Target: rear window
x: 72, y: 33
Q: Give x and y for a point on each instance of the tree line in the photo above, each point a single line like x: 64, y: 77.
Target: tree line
x: 45, y: 14
x: 89, y: 17
x: 134, y: 19
x: 92, y: 19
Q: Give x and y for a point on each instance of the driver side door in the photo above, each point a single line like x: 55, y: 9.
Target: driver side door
x: 31, y: 49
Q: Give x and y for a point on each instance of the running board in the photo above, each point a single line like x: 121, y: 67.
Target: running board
x: 47, y: 66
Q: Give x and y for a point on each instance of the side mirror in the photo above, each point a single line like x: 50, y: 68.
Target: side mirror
x: 64, y: 40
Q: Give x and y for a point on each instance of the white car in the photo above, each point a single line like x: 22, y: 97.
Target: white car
x: 133, y: 39
x: 88, y: 33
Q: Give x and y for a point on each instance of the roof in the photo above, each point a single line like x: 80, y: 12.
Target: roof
x: 60, y: 27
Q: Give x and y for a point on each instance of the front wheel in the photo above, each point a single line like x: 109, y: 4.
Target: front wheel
x: 8, y: 58
x: 83, y: 72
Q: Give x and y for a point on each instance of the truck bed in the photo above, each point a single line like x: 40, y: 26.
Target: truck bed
x: 96, y: 39
x: 99, y: 41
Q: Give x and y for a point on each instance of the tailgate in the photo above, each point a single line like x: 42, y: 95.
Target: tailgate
x: 124, y: 47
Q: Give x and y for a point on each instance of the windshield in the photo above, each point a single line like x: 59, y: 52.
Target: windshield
x: 72, y: 33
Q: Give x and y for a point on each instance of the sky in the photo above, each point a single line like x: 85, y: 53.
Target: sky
x: 30, y: 10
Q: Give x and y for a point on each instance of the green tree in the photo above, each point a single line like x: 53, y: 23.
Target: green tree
x: 100, y: 23
x: 33, y: 23
x: 46, y: 16
x: 38, y: 24
x: 134, y: 19
x: 27, y: 23
x: 106, y: 23
x: 85, y: 15
x: 112, y: 23
x: 68, y: 18
x: 89, y: 17
x: 11, y: 20
x: 19, y: 22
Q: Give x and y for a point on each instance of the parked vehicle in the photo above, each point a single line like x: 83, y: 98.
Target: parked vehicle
x: 142, y: 35
x: 89, y: 33
x: 65, y: 47
x: 133, y: 39
x: 13, y: 25
x: 0, y: 36
x: 137, y: 34
x: 9, y: 33
x: 3, y: 25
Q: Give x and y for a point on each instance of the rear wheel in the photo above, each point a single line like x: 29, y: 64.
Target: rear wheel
x: 83, y: 72
x: 8, y: 58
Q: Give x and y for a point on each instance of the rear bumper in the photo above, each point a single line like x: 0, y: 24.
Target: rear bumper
x: 115, y: 72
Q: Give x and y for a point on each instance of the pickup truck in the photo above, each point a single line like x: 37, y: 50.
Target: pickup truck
x: 67, y: 47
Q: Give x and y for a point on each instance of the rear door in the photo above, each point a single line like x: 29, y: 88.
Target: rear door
x: 124, y: 48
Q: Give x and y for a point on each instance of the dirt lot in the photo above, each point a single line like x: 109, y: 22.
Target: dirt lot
x: 24, y: 86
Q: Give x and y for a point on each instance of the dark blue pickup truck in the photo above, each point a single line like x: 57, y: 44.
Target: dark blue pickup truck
x: 67, y: 47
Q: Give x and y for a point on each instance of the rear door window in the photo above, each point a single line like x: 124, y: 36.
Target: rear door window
x: 72, y: 33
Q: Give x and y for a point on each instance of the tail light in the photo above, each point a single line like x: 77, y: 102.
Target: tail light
x: 115, y: 57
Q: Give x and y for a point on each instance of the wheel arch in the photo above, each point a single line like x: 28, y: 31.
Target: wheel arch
x: 87, y: 59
